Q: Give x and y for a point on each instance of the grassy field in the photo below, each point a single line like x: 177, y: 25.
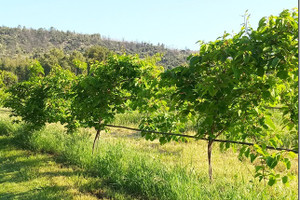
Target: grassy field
x: 27, y: 175
x: 128, y: 166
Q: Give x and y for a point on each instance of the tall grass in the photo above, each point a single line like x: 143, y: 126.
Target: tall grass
x: 6, y: 128
x: 130, y: 118
x: 141, y: 174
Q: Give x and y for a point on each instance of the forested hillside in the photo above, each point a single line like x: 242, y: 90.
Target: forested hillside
x: 22, y: 41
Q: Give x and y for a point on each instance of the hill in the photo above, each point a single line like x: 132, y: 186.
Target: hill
x: 30, y: 42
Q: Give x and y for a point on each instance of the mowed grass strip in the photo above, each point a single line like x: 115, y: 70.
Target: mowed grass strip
x: 28, y: 175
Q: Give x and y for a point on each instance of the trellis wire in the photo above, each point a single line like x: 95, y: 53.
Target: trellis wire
x: 195, y: 137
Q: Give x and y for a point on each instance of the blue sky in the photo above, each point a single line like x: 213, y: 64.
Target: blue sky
x: 177, y: 24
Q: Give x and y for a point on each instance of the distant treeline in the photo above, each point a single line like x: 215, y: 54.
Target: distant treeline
x: 73, y: 61
x: 20, y: 45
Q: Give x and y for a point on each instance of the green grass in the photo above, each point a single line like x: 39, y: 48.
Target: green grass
x: 130, y: 118
x: 129, y: 165
x: 26, y: 175
x: 29, y: 175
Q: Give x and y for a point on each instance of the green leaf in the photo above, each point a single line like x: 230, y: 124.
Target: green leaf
x: 265, y: 49
x: 259, y: 149
x: 257, y: 168
x: 236, y: 72
x: 194, y: 60
x: 247, y: 152
x: 242, y: 150
x: 222, y: 147
x: 284, y: 179
x: 266, y: 95
x: 181, y: 130
x: 212, y: 91
x: 262, y: 23
x: 227, y: 145
x: 290, y: 125
x: 269, y: 161
x: 269, y: 122
x: 273, y: 143
x: 257, y: 174
x: 147, y: 136
x: 274, y: 164
x: 246, y: 58
x: 272, y: 181
x: 162, y: 140
x: 282, y: 74
x: 252, y: 157
x: 260, y: 71
x: 292, y: 154
x: 288, y: 164
x: 275, y: 62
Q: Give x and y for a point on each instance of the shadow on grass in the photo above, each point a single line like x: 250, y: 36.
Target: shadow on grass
x: 18, y: 166
x: 22, y: 167
x: 5, y: 142
x: 43, y: 193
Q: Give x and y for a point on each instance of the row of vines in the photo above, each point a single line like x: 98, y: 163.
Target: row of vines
x: 226, y: 91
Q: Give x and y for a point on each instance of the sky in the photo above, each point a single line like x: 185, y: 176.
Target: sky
x: 178, y: 24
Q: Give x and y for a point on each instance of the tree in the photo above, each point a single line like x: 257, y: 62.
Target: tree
x: 52, y: 58
x: 7, y: 79
x: 230, y: 82
x: 43, y: 99
x: 96, y: 53
x: 77, y: 62
x: 109, y: 88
